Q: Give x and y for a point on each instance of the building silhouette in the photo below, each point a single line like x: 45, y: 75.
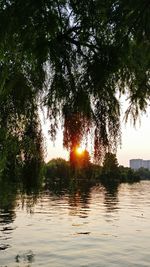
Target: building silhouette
x: 136, y: 164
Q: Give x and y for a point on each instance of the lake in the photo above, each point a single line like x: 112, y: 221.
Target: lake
x: 90, y: 225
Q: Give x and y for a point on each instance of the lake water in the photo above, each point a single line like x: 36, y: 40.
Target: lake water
x: 90, y: 226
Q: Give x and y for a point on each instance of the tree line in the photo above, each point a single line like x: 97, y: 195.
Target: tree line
x: 61, y: 171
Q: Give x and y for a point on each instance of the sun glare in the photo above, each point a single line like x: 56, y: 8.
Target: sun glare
x: 79, y: 150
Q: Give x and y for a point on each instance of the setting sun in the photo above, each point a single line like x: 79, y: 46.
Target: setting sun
x: 79, y: 150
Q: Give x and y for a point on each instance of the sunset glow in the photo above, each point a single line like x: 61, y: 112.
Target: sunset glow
x: 79, y: 150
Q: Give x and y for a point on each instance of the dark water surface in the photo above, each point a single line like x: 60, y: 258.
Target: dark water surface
x: 89, y: 226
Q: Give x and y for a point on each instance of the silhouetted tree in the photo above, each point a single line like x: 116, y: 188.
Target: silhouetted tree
x: 57, y: 170
x: 143, y: 173
x: 110, y: 170
x: 79, y: 160
x: 72, y: 56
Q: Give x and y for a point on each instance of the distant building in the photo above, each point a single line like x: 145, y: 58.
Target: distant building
x: 146, y: 164
x: 136, y: 164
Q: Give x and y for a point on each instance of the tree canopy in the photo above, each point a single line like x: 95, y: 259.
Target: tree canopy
x: 72, y: 57
x: 110, y: 167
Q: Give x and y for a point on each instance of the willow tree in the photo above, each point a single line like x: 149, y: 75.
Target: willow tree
x: 72, y: 56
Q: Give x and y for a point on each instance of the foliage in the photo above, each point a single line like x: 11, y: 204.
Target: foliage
x: 57, y: 170
x: 110, y: 168
x: 60, y: 173
x: 143, y: 173
x: 111, y: 171
x: 128, y: 175
x: 73, y: 56
x: 79, y: 160
x: 20, y: 133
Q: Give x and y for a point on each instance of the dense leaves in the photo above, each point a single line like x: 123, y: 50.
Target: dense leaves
x: 72, y: 56
x: 110, y: 170
x: 59, y: 172
x: 20, y: 133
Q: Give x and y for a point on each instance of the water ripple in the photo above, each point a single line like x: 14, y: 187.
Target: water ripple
x: 99, y: 228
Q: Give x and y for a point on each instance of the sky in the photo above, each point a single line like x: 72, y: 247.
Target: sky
x: 135, y: 142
